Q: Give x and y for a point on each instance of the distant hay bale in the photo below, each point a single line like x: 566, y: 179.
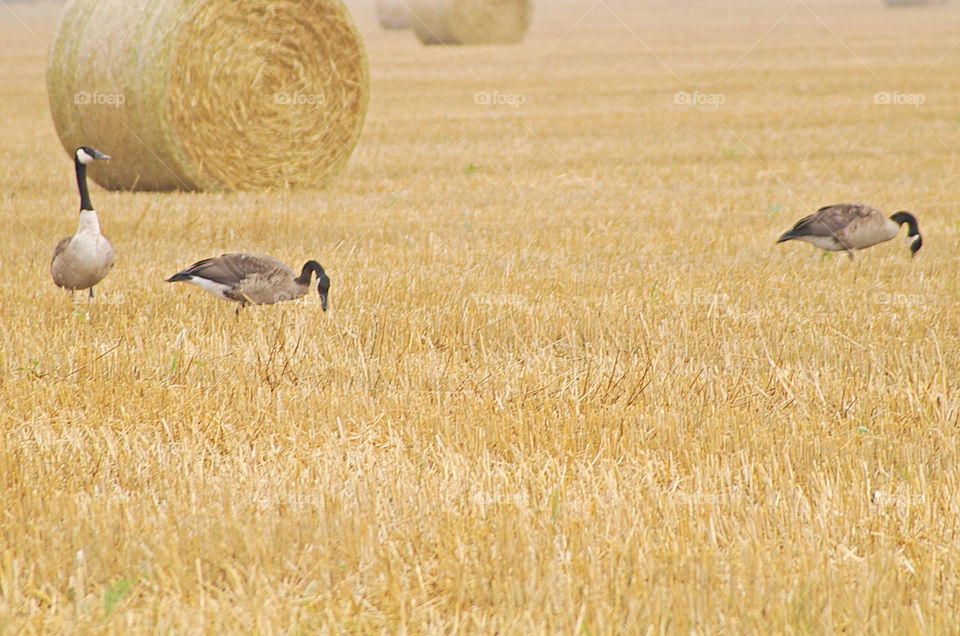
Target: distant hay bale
x: 392, y: 14
x: 470, y: 21
x: 209, y: 94
x: 912, y: 3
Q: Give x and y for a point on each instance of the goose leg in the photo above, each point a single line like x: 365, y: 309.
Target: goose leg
x: 846, y: 247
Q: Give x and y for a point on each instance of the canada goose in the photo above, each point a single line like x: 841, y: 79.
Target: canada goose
x: 852, y: 226
x: 253, y: 278
x: 84, y: 259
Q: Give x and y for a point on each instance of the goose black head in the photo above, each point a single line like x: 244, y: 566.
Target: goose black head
x: 89, y: 154
x: 323, y: 281
x: 916, y: 242
x: 913, y: 230
x: 323, y: 287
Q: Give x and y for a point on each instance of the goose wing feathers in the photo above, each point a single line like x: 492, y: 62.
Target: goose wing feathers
x: 62, y: 245
x: 831, y: 220
x: 231, y: 269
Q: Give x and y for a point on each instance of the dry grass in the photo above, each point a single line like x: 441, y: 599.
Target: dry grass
x: 567, y: 382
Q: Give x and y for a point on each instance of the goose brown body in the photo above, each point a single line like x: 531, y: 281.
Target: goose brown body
x: 255, y: 279
x: 83, y: 259
x: 852, y: 226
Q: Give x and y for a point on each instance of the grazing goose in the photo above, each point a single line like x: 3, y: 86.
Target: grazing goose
x: 84, y: 259
x: 253, y: 278
x: 852, y: 226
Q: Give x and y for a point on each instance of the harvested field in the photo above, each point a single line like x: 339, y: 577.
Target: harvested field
x: 567, y: 381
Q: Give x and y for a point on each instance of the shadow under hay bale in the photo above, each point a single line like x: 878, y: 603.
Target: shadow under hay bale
x: 470, y: 21
x: 392, y: 14
x: 209, y: 94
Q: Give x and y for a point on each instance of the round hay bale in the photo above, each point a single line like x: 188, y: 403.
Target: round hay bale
x: 209, y: 94
x: 392, y: 14
x: 470, y: 21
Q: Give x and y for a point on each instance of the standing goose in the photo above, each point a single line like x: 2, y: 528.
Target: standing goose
x: 84, y: 259
x: 253, y: 278
x: 852, y: 226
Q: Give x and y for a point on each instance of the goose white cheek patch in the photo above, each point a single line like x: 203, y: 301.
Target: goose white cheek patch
x: 83, y: 157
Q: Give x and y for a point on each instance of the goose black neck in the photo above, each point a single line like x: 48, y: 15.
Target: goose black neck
x: 309, y: 268
x: 82, y: 185
x: 905, y: 217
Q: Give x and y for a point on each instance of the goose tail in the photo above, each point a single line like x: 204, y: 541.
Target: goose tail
x: 180, y: 276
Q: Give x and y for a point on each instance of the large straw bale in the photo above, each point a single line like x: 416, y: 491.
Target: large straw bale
x: 470, y: 21
x: 209, y: 94
x: 392, y: 14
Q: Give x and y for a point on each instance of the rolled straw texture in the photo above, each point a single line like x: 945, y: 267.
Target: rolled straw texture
x: 470, y: 21
x: 209, y: 94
